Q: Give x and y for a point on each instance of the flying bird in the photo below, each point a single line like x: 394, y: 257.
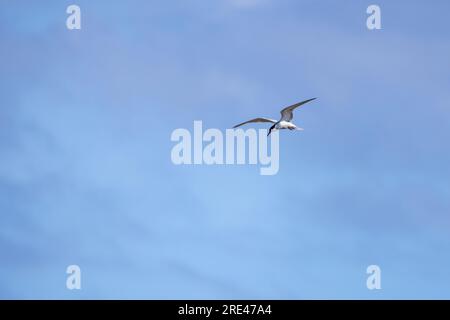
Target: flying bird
x: 284, y: 122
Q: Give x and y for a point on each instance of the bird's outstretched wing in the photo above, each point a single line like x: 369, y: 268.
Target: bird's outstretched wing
x: 256, y: 120
x: 286, y: 113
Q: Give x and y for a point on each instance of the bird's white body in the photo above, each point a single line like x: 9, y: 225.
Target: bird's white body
x: 286, y: 125
x: 284, y: 122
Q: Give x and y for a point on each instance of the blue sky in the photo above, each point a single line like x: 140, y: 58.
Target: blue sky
x: 86, y: 176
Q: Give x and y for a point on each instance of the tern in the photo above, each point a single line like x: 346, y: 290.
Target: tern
x: 284, y: 122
